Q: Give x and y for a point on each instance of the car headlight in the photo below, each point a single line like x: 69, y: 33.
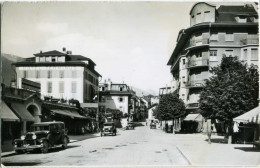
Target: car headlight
x: 40, y: 140
x: 22, y: 137
x: 34, y: 136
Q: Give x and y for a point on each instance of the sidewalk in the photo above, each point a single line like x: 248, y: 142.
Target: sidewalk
x: 73, y: 138
x: 198, y: 152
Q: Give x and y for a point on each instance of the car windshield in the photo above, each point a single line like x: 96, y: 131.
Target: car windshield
x: 40, y: 128
x: 108, y: 124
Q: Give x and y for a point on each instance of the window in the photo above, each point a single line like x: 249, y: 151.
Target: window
x: 121, y: 88
x: 53, y: 59
x: 37, y: 74
x: 229, y: 53
x: 25, y: 74
x: 121, y: 99
x: 74, y: 74
x: 213, y: 52
x: 61, y: 74
x: 198, y: 55
x: 229, y: 37
x: 183, y: 80
x: 245, y: 54
x: 49, y: 89
x: 214, y: 36
x: 74, y: 87
x: 42, y: 59
x: 183, y: 61
x: 61, y: 87
x: 49, y: 74
x: 254, y: 54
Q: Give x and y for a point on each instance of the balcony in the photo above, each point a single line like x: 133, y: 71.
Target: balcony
x: 195, y: 84
x: 197, y: 63
x: 192, y: 106
x: 249, y: 41
x: 199, y: 43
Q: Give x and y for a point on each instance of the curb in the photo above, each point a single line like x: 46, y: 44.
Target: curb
x: 183, y: 155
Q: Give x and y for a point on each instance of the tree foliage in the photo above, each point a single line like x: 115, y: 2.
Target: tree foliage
x: 170, y: 107
x: 231, y: 91
x: 116, y: 114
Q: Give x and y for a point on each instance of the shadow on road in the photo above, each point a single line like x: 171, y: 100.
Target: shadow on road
x: 82, y: 137
x: 218, y: 140
x: 22, y: 164
x: 248, y: 149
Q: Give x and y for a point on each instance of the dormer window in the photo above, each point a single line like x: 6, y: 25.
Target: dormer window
x: 42, y: 59
x: 198, y: 18
x: 254, y: 19
x: 241, y: 18
x: 53, y: 59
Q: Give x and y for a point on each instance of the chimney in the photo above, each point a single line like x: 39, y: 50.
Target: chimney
x: 64, y: 49
x: 41, y: 51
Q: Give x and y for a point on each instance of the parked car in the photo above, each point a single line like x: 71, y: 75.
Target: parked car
x: 130, y: 125
x: 153, y: 125
x: 109, y: 128
x: 43, y: 136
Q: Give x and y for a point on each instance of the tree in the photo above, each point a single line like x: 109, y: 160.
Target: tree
x: 170, y: 107
x: 116, y: 114
x: 231, y: 91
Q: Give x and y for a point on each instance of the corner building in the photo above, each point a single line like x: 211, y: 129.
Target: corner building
x: 213, y: 32
x: 61, y: 75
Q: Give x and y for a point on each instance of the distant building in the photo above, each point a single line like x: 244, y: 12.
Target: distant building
x: 213, y: 32
x: 115, y: 96
x: 61, y: 75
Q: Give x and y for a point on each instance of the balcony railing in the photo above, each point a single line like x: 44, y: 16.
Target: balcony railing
x: 197, y: 63
x: 194, y: 43
x: 192, y: 105
x: 250, y: 41
x: 195, y: 83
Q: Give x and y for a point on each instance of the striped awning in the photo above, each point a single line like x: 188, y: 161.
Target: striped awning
x: 253, y: 116
x: 71, y: 114
x: 7, y: 114
x: 193, y: 117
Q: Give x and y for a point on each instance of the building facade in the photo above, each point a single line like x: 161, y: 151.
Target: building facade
x: 61, y: 75
x: 213, y: 32
x: 115, y: 96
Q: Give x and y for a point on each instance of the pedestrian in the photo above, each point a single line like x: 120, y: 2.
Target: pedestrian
x: 209, y: 129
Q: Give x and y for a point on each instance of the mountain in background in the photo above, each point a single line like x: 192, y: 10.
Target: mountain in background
x: 8, y: 73
x: 140, y: 92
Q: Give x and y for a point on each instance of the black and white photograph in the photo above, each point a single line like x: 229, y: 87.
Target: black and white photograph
x: 130, y: 84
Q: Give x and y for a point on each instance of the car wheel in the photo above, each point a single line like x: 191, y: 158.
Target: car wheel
x: 45, y: 147
x: 65, y: 143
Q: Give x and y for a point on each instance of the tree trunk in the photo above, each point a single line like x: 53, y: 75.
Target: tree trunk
x: 229, y: 134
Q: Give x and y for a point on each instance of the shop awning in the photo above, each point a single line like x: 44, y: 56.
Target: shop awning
x: 72, y: 114
x: 193, y: 117
x: 7, y: 114
x: 252, y: 116
x: 22, y: 112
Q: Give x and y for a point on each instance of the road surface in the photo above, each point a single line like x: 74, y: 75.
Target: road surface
x: 142, y: 146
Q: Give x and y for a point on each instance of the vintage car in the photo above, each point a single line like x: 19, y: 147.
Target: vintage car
x: 109, y: 128
x: 43, y: 136
x: 153, y: 125
x: 130, y: 125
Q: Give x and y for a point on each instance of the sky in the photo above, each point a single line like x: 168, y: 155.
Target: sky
x: 130, y: 42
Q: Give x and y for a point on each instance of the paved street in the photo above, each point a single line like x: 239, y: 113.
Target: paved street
x: 142, y: 146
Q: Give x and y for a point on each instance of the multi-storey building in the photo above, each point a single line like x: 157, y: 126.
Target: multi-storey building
x: 115, y: 96
x: 61, y: 75
x: 213, y: 32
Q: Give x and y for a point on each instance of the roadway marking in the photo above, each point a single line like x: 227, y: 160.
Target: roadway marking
x: 186, y: 158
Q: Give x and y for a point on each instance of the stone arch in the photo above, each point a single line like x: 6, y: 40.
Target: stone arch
x: 35, y: 110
